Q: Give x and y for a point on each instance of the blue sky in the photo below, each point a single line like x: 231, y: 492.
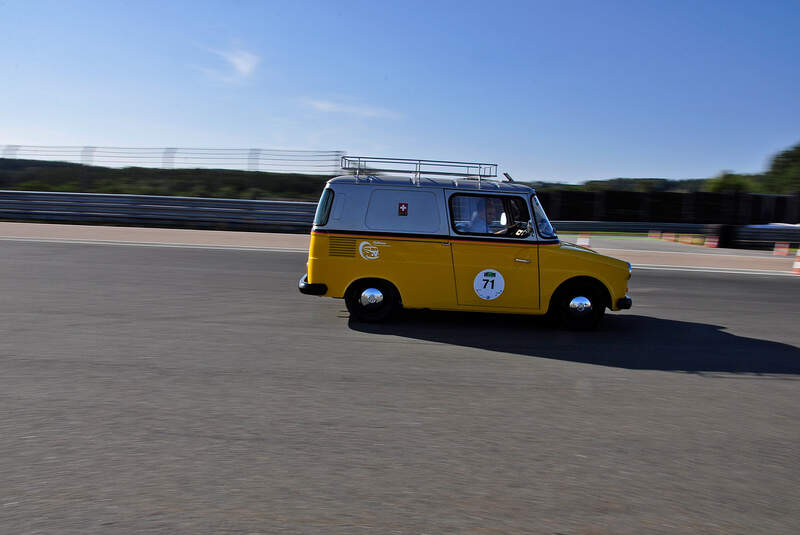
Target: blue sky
x: 565, y: 91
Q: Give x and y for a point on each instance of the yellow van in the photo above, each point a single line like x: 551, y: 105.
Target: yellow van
x: 451, y: 236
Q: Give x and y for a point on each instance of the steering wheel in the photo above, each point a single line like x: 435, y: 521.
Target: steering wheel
x: 518, y: 229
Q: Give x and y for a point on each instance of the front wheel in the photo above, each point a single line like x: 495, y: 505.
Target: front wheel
x: 581, y: 307
x: 371, y: 301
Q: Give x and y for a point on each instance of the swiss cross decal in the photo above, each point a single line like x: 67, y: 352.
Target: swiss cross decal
x: 402, y: 208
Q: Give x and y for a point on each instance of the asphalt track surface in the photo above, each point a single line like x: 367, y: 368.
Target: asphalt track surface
x: 177, y: 390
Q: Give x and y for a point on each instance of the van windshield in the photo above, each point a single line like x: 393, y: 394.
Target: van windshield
x: 324, y: 208
x: 543, y: 225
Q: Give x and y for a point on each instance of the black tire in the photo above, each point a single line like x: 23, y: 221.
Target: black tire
x: 580, y: 318
x: 376, y: 312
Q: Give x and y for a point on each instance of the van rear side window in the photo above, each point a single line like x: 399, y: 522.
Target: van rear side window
x: 324, y: 208
x: 403, y: 210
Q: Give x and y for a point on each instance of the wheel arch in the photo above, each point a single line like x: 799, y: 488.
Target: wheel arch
x: 370, y: 280
x: 577, y: 281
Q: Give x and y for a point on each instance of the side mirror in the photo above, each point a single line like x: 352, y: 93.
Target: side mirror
x: 528, y: 228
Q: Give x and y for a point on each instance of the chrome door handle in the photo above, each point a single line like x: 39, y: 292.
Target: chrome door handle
x: 446, y: 243
x: 523, y: 260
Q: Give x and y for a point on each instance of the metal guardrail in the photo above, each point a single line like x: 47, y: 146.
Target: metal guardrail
x: 287, y: 216
x: 759, y: 237
x: 157, y: 211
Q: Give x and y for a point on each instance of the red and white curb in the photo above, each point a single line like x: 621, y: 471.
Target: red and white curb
x: 781, y: 249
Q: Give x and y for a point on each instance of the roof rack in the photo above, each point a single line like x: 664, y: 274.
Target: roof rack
x: 474, y: 170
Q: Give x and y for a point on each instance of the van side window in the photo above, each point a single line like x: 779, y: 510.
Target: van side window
x: 324, y: 208
x: 404, y: 210
x: 489, y: 215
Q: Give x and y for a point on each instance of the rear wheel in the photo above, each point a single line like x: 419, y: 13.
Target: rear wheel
x: 371, y: 301
x: 580, y: 307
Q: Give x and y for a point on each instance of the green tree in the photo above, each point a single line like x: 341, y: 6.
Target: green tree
x: 783, y: 175
x: 731, y: 182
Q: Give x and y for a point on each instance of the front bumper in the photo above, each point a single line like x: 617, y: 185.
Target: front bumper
x: 307, y: 288
x: 624, y: 303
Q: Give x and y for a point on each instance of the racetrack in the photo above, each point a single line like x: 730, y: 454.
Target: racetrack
x: 192, y: 390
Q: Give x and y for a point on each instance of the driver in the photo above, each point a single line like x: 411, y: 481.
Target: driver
x: 493, y: 218
x: 487, y: 219
x: 477, y: 221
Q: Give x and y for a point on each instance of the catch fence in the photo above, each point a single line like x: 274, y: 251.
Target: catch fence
x: 252, y: 159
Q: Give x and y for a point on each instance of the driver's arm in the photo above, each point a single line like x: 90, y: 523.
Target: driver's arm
x: 508, y: 230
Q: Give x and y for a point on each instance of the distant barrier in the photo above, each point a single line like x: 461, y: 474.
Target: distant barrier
x: 292, y: 216
x: 628, y: 226
x: 157, y: 211
x: 667, y: 207
x: 754, y: 237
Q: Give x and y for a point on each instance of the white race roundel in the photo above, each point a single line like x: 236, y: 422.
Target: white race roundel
x: 489, y: 284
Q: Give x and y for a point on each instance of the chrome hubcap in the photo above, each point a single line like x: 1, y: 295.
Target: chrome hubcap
x: 371, y: 296
x: 580, y: 306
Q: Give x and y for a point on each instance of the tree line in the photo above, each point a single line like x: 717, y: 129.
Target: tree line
x: 781, y: 177
x: 36, y: 175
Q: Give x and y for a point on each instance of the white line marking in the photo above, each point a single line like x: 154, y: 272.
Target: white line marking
x: 148, y: 244
x: 713, y: 270
x: 687, y: 252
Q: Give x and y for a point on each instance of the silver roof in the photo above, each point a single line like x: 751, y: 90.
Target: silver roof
x: 467, y: 184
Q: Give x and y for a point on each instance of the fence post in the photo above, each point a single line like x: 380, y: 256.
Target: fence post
x: 10, y: 151
x: 87, y: 155
x: 168, y: 158
x: 253, y: 158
